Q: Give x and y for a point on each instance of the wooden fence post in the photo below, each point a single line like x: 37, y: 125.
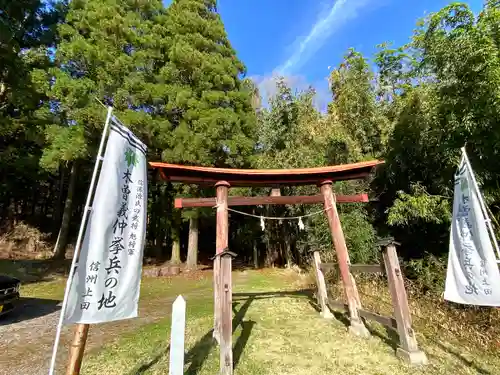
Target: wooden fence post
x: 322, y: 291
x: 357, y: 326
x: 216, y: 333
x: 226, y: 313
x: 408, y: 348
x: 177, y: 332
x: 221, y: 243
x: 77, y: 349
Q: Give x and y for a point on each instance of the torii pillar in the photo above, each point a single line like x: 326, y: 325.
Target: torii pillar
x: 357, y: 326
x: 221, y: 243
x: 223, y: 324
x: 223, y: 178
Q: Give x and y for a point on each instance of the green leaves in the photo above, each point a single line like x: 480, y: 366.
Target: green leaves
x: 64, y: 145
x: 114, y: 51
x: 131, y: 158
x: 293, y: 134
x: 444, y: 88
x: 354, y: 103
x: 409, y: 209
x: 173, y: 77
x: 210, y: 110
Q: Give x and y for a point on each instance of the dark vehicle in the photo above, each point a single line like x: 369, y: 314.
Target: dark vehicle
x: 9, y: 293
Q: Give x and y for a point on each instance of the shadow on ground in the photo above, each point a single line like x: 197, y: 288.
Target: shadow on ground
x: 391, y: 338
x: 30, y: 308
x: 142, y: 368
x: 34, y: 270
x: 467, y: 362
x: 241, y: 303
x: 199, y: 353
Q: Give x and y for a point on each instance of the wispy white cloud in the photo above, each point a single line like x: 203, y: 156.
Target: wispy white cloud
x: 267, y: 84
x: 328, y: 22
x: 267, y: 88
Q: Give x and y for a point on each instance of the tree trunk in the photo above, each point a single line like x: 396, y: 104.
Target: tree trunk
x: 176, y: 246
x: 255, y: 249
x: 62, y: 238
x: 255, y: 255
x: 155, y: 208
x: 34, y: 201
x: 56, y: 218
x: 192, y: 256
x: 272, y: 253
x: 11, y: 213
x: 46, y: 201
x: 17, y: 210
x: 24, y: 209
x: 287, y: 245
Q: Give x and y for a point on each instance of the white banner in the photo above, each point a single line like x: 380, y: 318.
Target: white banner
x: 107, y: 280
x: 472, y: 276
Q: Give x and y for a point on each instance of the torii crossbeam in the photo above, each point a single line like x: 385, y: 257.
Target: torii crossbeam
x: 223, y: 179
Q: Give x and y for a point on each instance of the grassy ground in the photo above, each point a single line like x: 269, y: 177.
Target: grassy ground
x: 277, y: 331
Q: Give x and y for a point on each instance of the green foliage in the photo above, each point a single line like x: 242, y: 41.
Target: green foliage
x: 292, y: 134
x: 394, y: 71
x: 26, y: 32
x: 419, y: 205
x: 208, y: 106
x: 428, y: 273
x: 454, y: 68
x: 280, y: 123
x: 105, y: 49
x: 354, y: 104
x: 464, y: 59
x: 360, y: 236
x: 64, y: 145
x: 173, y: 77
x: 26, y: 35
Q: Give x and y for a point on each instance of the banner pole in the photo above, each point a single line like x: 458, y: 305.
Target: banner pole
x: 79, y: 241
x: 482, y: 204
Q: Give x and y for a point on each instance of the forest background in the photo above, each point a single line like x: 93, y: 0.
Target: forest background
x: 173, y: 77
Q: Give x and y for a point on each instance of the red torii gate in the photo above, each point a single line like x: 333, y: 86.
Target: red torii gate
x: 223, y: 179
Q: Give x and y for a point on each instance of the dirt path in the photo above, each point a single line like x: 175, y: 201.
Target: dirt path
x: 26, y: 341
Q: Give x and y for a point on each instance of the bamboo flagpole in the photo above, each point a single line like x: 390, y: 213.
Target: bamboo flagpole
x: 78, y: 245
x: 483, y: 206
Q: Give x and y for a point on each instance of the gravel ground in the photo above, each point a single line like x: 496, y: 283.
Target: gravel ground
x: 27, y: 334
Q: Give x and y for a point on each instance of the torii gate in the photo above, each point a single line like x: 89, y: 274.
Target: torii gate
x: 223, y: 179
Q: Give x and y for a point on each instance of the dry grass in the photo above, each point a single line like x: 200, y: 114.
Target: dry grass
x: 24, y: 241
x: 279, y: 332
x: 25, y: 253
x: 453, y: 338
x: 432, y: 315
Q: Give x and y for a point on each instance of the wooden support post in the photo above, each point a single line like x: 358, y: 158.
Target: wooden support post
x: 226, y: 342
x: 216, y: 333
x: 357, y: 326
x: 356, y: 293
x: 408, y: 349
x: 322, y: 292
x: 77, y: 348
x: 221, y: 243
x: 275, y: 192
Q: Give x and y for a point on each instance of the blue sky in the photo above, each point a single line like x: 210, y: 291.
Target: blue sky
x: 301, y: 39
